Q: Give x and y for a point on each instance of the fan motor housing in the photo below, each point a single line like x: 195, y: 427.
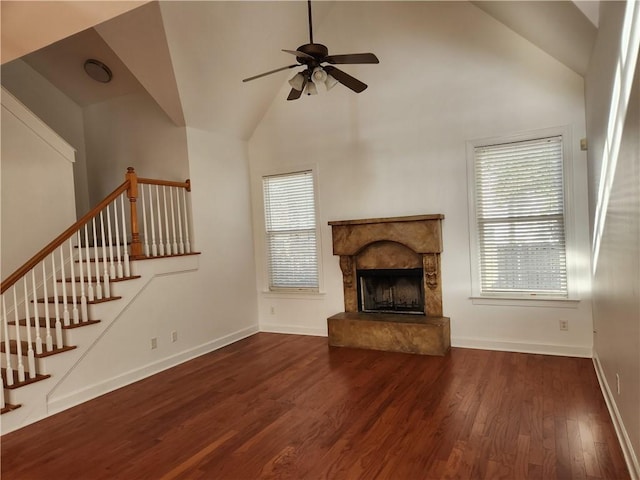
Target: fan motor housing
x: 316, y: 50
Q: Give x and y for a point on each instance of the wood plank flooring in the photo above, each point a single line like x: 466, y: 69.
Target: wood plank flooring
x: 290, y: 407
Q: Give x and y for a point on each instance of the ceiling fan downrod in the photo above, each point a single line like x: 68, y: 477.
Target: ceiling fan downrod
x: 310, y: 23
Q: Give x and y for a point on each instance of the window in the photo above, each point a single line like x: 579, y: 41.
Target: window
x: 290, y: 221
x: 519, y: 205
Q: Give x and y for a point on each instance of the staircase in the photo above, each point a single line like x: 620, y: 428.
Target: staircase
x: 57, y: 306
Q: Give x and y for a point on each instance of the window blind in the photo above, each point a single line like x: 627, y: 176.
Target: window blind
x: 290, y: 220
x: 520, y: 217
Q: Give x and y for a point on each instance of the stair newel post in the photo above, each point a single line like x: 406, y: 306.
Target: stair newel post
x: 144, y: 222
x: 36, y: 312
x: 84, y: 314
x: 132, y: 193
x: 174, y: 246
x: 66, y: 320
x: 112, y: 265
x: 180, y: 240
x: 167, y: 248
x: 58, y: 324
x: 96, y: 260
x: 21, y: 375
x: 159, y: 217
x: 31, y: 358
x: 127, y: 265
x: 48, y: 339
x: 74, y: 299
x: 187, y: 245
x: 7, y: 343
x: 154, y: 247
x: 90, y: 291
x: 105, y: 261
x: 119, y: 272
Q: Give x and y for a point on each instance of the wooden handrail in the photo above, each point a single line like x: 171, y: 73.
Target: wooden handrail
x: 42, y: 254
x: 168, y: 183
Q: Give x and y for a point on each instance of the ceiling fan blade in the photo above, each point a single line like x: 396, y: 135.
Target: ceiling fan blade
x: 269, y: 73
x: 298, y: 53
x: 352, y: 58
x: 346, y: 79
x: 295, y: 94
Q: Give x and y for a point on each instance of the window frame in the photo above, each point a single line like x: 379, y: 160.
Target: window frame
x: 295, y: 291
x: 523, y: 298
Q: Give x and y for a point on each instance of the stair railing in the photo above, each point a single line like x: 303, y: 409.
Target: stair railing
x: 54, y: 288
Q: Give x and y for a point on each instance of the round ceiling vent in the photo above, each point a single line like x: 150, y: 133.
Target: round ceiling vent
x: 98, y: 71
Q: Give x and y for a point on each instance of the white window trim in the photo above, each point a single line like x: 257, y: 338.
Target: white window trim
x: 297, y: 293
x: 569, y: 220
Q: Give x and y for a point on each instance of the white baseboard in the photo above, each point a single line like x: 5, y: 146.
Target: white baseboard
x: 625, y: 442
x: 544, y: 349
x: 293, y: 329
x: 59, y: 404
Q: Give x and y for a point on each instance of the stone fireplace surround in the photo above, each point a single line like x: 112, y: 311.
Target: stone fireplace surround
x: 390, y: 244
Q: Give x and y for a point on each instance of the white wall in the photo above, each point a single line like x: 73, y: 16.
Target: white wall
x: 132, y: 131
x: 58, y: 111
x: 616, y: 282
x: 37, y: 196
x: 448, y: 73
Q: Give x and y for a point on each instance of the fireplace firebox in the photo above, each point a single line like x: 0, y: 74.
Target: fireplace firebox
x: 391, y: 291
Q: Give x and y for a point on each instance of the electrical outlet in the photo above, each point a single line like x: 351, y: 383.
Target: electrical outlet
x: 618, y: 383
x: 273, y: 310
x: 564, y: 325
x: 174, y: 336
x: 154, y: 343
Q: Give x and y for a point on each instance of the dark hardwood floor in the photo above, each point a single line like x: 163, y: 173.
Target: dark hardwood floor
x: 289, y: 407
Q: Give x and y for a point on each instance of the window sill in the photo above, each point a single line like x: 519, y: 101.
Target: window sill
x: 294, y: 294
x: 545, y: 302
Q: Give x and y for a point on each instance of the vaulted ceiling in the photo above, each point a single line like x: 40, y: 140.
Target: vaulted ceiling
x: 191, y: 56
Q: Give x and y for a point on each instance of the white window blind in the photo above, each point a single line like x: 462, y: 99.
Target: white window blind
x: 290, y: 220
x: 520, y: 217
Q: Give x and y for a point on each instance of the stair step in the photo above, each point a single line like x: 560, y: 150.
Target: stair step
x: 70, y: 300
x: 13, y: 349
x: 94, y: 280
x: 16, y: 383
x: 23, y: 323
x: 8, y: 408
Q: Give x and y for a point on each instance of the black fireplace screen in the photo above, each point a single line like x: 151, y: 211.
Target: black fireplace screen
x: 397, y: 291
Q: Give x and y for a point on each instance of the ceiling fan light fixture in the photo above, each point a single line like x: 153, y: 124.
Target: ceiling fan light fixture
x: 330, y: 82
x: 297, y: 82
x: 311, y: 89
x: 319, y: 75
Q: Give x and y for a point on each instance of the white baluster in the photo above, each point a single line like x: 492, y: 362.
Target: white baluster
x: 58, y: 324
x: 96, y: 261
x: 65, y: 307
x: 187, y: 245
x: 154, y: 248
x: 74, y: 311
x: 84, y: 314
x: 180, y: 241
x: 48, y: 339
x: 90, y: 291
x: 159, y: 218
x: 174, y: 246
x: 31, y: 358
x: 119, y: 270
x: 144, y: 221
x: 105, y: 277
x: 125, y: 258
x: 7, y: 343
x: 36, y: 312
x: 166, y: 220
x: 21, y: 375
x: 112, y: 266
x: 2, y: 404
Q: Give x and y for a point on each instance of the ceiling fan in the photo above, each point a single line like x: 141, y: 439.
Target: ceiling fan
x: 313, y: 56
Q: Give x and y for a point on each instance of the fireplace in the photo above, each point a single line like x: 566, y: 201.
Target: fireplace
x: 391, y: 291
x: 392, y: 285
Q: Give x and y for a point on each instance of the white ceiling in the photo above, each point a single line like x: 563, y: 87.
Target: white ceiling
x: 192, y: 55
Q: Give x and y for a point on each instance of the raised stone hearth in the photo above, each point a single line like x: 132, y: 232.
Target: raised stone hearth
x: 394, y: 311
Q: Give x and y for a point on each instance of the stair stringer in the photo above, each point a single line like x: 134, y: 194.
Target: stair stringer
x: 39, y: 399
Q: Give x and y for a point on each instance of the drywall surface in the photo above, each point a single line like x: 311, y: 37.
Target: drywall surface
x: 616, y: 192
x: 448, y: 74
